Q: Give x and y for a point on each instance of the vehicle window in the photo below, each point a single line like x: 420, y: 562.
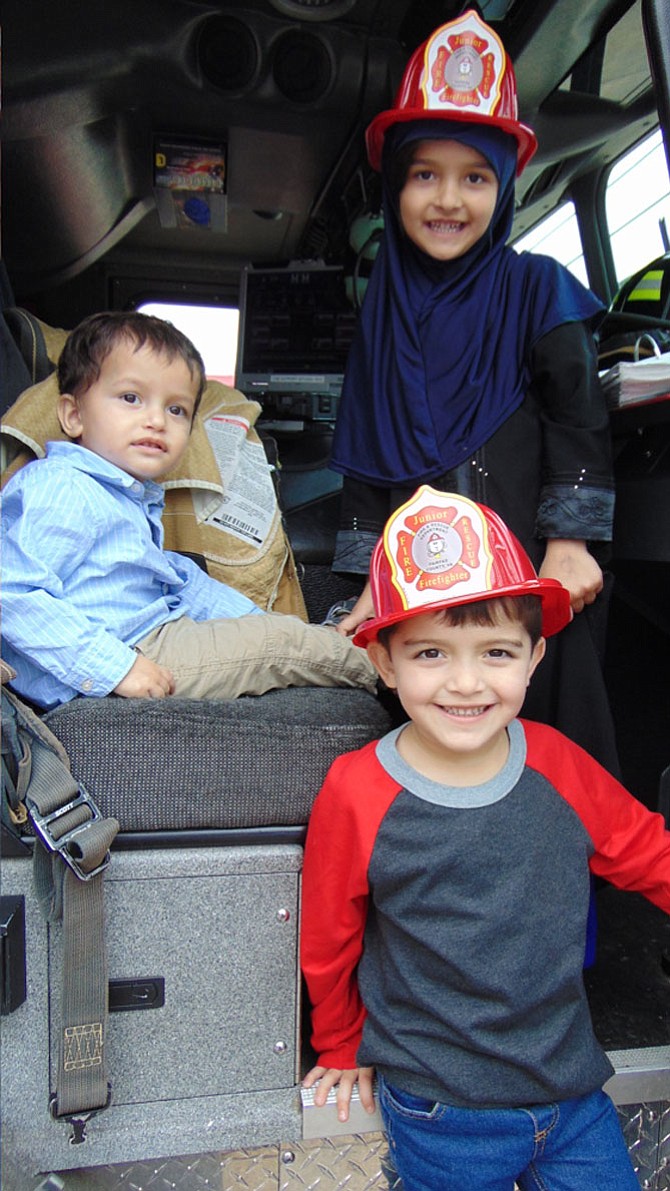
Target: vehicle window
x: 616, y: 71
x: 637, y: 203
x: 558, y: 235
x: 213, y: 330
x: 625, y: 70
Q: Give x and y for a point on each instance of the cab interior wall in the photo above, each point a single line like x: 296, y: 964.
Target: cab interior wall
x: 87, y: 87
x: 78, y: 149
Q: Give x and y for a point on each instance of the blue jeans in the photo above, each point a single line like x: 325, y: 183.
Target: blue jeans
x: 575, y: 1145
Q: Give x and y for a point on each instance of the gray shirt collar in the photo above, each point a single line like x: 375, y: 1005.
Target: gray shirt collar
x: 455, y: 796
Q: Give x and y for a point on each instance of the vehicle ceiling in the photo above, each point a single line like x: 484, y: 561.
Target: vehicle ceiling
x: 289, y: 86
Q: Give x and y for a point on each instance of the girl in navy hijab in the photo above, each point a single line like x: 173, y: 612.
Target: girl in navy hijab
x: 474, y: 366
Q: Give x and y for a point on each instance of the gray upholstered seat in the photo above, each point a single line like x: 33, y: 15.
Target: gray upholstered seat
x: 177, y: 764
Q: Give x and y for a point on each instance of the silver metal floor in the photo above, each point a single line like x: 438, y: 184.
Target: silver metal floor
x: 352, y: 1163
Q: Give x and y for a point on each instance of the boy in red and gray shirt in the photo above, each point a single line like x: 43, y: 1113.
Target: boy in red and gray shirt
x: 447, y: 880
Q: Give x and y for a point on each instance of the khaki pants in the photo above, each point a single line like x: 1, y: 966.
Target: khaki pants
x: 248, y: 655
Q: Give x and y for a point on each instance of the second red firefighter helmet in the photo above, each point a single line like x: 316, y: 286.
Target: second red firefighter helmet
x: 462, y: 72
x: 439, y: 549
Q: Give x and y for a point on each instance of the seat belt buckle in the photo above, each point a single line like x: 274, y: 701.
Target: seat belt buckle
x: 62, y: 844
x: 78, y: 1120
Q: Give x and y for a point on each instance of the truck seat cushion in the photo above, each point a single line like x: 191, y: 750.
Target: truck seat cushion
x: 180, y: 764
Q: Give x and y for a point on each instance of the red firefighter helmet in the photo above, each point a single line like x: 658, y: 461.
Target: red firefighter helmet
x: 462, y: 72
x: 440, y: 549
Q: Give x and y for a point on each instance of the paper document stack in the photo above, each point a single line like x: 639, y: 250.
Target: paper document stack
x: 644, y: 380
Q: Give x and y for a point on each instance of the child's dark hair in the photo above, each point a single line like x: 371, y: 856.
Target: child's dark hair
x: 525, y: 609
x: 88, y: 346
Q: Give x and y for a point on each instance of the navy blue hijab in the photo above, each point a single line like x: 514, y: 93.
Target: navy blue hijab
x: 440, y: 356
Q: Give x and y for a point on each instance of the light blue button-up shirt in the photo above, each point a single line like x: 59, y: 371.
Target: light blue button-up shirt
x: 85, y: 576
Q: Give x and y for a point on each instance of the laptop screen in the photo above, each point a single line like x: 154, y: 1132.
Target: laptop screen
x: 296, y: 327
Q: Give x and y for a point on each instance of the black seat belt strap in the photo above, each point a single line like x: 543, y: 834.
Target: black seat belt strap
x: 71, y: 855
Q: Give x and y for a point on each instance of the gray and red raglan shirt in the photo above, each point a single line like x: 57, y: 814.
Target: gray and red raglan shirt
x: 443, y: 928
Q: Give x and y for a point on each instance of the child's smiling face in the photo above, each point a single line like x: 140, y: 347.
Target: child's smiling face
x: 461, y: 685
x: 448, y: 199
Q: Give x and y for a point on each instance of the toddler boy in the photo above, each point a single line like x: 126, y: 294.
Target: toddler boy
x: 92, y: 604
x: 447, y: 878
